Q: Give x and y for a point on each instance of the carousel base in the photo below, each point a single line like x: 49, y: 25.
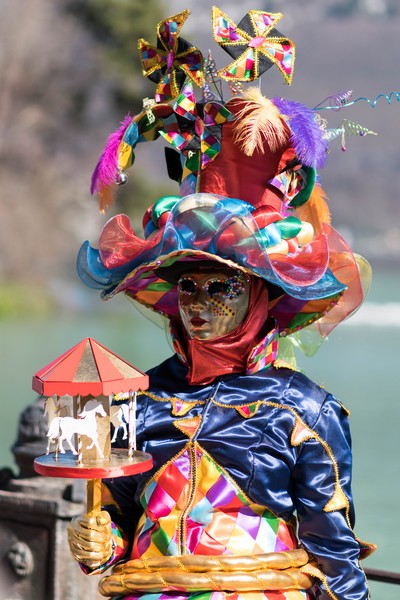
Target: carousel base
x: 119, y: 464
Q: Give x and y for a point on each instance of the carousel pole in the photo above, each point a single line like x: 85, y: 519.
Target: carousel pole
x: 80, y: 443
x: 93, y: 496
x: 58, y: 436
x: 132, y: 424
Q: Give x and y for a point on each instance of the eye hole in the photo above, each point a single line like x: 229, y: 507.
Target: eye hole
x: 218, y: 288
x: 187, y: 286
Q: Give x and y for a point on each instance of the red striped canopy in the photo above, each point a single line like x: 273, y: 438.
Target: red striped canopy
x: 88, y: 369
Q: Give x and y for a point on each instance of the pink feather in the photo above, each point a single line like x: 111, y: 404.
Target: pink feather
x: 106, y: 170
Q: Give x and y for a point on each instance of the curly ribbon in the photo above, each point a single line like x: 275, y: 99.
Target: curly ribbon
x: 211, y: 77
x: 337, y: 104
x: 347, y: 128
x: 337, y: 101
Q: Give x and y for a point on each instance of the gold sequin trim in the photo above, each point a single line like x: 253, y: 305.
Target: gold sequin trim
x: 313, y: 571
x: 189, y: 426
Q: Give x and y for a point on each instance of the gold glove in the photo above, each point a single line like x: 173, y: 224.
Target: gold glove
x: 90, y: 540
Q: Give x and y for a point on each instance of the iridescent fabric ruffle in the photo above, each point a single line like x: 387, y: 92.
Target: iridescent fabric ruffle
x: 315, y: 282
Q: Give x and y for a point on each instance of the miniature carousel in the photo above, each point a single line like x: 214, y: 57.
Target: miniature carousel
x: 82, y: 387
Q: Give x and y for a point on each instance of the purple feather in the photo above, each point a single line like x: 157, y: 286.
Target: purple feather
x: 307, y: 136
x: 106, y: 171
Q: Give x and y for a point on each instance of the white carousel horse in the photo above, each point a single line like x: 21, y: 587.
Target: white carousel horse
x: 53, y: 408
x: 119, y: 417
x: 63, y: 428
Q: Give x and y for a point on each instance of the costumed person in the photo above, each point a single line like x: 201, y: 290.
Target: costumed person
x: 250, y: 492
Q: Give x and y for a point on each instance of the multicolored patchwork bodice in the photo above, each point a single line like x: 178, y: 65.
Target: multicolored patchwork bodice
x: 192, y: 506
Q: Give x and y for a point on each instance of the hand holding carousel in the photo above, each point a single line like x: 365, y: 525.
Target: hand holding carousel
x: 90, y: 539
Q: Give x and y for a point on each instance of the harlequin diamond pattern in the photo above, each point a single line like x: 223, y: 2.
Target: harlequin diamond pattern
x: 214, y: 518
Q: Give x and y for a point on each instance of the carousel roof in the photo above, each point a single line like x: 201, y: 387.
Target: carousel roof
x: 88, y: 368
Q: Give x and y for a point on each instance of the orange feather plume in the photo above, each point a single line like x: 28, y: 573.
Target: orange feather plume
x: 106, y: 198
x: 315, y: 210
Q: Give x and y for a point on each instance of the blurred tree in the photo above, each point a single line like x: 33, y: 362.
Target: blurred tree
x: 68, y: 75
x: 116, y: 26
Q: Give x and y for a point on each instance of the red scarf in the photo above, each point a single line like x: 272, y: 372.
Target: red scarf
x: 208, y: 359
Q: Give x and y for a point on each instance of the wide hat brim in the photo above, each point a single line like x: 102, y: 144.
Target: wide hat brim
x: 319, y: 284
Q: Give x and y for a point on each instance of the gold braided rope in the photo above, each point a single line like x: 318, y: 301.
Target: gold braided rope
x: 121, y: 579
x: 195, y: 563
x: 164, y: 581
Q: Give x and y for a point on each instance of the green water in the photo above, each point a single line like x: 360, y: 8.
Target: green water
x: 357, y: 363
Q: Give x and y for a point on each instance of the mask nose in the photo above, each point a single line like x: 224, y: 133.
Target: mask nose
x: 199, y: 301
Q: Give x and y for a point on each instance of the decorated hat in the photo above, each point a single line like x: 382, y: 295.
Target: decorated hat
x: 249, y: 192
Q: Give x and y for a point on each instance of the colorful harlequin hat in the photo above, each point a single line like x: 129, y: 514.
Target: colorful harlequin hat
x: 249, y: 196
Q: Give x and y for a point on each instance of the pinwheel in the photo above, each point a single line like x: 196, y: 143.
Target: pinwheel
x: 255, y: 45
x: 172, y: 60
x: 196, y: 126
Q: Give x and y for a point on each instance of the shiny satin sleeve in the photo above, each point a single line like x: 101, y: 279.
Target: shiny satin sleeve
x: 324, y: 504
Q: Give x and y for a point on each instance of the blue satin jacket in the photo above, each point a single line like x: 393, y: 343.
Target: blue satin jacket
x: 280, y: 439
